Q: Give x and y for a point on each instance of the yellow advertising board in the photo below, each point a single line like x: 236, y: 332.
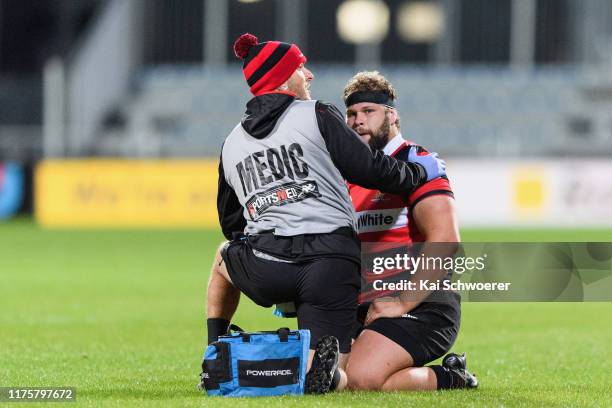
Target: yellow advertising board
x: 126, y: 193
x: 529, y: 187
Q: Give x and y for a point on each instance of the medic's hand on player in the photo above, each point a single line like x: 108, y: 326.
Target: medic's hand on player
x: 434, y: 166
x: 387, y: 307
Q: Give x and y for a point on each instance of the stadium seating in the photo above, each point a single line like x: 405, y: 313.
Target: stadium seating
x: 188, y: 110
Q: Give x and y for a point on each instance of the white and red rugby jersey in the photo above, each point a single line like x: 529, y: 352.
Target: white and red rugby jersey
x: 385, y: 217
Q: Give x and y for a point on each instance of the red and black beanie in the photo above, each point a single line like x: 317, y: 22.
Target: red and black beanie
x: 267, y: 65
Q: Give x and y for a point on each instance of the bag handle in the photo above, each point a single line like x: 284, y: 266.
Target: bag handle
x: 283, y: 334
x: 235, y: 328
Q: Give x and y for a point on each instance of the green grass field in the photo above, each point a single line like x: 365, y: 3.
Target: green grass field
x: 120, y: 316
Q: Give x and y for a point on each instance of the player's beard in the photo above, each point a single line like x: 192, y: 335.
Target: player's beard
x: 380, y: 137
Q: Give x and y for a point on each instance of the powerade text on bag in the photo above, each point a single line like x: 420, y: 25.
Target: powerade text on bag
x: 256, y: 364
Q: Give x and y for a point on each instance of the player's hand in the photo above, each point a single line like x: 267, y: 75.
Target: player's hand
x: 386, y: 307
x: 433, y: 165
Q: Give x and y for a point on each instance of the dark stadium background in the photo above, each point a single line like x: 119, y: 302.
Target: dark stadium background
x: 523, y: 43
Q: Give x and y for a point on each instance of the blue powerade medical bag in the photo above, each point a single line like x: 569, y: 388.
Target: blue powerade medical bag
x: 256, y: 364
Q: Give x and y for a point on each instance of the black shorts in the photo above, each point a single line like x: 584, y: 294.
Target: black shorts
x: 427, y: 333
x: 324, y: 289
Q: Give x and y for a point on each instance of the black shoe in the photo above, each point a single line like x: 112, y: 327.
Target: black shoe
x: 457, y: 367
x: 324, y: 365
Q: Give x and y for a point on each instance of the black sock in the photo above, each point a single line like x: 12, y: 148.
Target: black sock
x: 217, y: 326
x: 335, y: 380
x: 443, y: 377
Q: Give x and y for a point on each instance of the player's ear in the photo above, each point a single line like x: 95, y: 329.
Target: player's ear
x: 392, y: 114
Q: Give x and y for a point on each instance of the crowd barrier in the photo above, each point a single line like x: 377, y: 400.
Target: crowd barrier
x: 182, y: 193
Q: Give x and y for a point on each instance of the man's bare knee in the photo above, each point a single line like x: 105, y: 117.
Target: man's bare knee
x: 360, y: 378
x: 387, y: 387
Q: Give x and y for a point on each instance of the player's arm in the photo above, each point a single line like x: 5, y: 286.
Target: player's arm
x: 229, y: 209
x: 359, y: 165
x: 436, y: 218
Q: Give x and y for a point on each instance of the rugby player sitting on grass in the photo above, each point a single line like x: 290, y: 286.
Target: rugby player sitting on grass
x: 399, y: 337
